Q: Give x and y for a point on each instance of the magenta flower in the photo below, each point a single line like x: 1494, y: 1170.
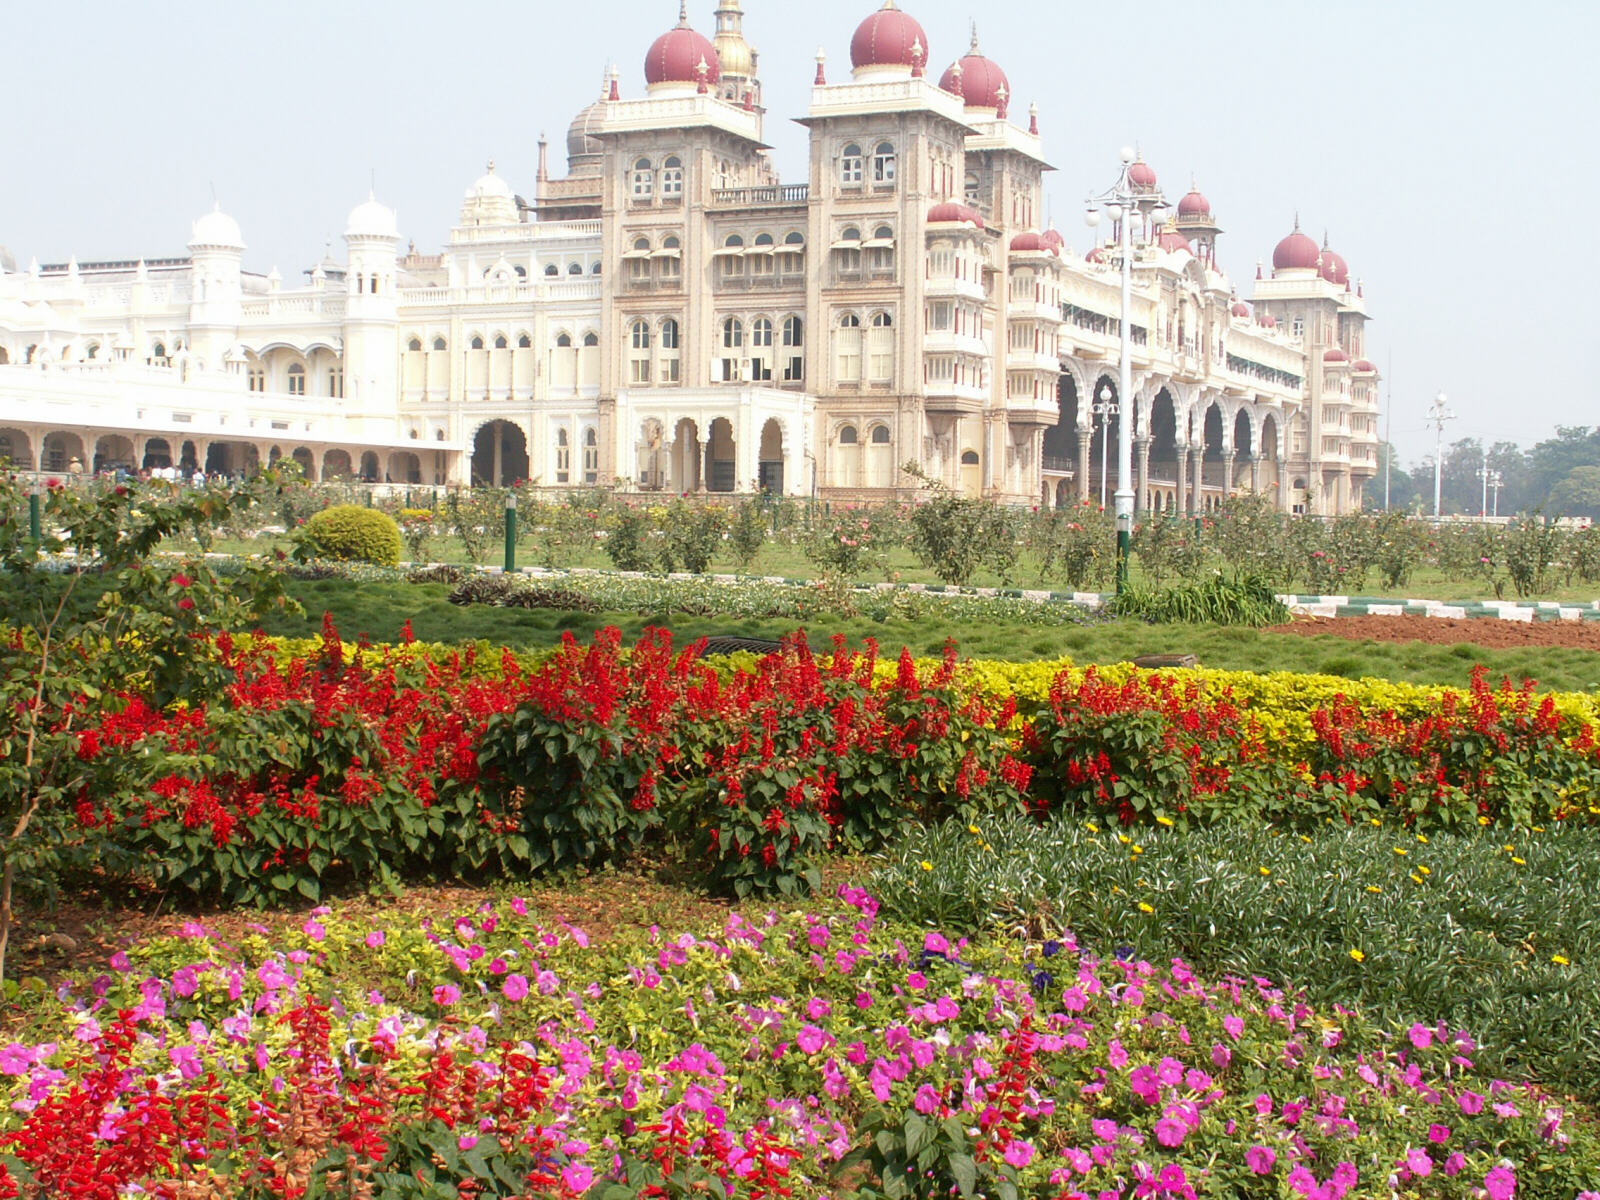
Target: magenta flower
x: 1454, y: 1164
x: 1471, y: 1103
x: 1500, y: 1183
x: 1418, y: 1162
x: 515, y: 987
x: 1421, y: 1036
x: 1260, y: 1159
x: 577, y: 1176
x: 1438, y: 1134
x: 1234, y: 1027
x: 1019, y: 1154
x: 446, y: 994
x: 926, y: 1101
x: 1170, y: 1132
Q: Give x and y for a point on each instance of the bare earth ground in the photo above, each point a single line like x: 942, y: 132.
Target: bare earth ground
x: 1494, y: 634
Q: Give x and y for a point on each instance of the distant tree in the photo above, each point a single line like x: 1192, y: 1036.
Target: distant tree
x: 1577, y: 495
x: 1552, y: 460
x: 1402, y: 484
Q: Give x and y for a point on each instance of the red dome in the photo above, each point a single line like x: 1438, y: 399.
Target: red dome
x: 981, y: 81
x: 1027, y: 243
x: 1240, y: 309
x: 1141, y: 174
x: 1364, y: 365
x: 1334, y: 268
x: 1296, y: 252
x: 886, y: 39
x: 1268, y: 321
x: 676, y: 55
x: 1050, y: 239
x: 1194, y: 205
x: 1096, y: 255
x: 1171, y: 241
x: 1335, y: 355
x: 951, y: 213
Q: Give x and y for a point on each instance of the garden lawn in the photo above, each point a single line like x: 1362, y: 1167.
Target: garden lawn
x: 380, y: 610
x: 812, y: 1050
x: 1495, y: 932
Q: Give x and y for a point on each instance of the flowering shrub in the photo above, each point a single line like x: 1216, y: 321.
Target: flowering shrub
x: 491, y: 1054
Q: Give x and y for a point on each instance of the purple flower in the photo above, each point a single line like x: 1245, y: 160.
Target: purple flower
x: 1500, y: 1183
x: 1454, y: 1164
x: 446, y: 994
x: 15, y: 1059
x: 1418, y: 1162
x: 577, y: 1176
x: 1438, y: 1134
x: 314, y: 930
x: 1019, y: 1154
x: 1170, y: 1132
x: 1421, y: 1036
x: 375, y: 939
x: 811, y: 1039
x: 926, y: 1100
x: 1471, y: 1103
x: 515, y: 987
x: 1260, y: 1159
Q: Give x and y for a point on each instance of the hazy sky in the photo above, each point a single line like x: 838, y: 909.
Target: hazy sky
x: 1447, y: 148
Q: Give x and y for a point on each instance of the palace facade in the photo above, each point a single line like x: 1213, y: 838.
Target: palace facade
x: 669, y: 316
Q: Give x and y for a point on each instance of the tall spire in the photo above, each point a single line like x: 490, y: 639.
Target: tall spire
x: 974, y: 48
x: 683, y: 14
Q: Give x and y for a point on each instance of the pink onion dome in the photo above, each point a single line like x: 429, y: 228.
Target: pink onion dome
x: 1142, y: 175
x: 1052, y: 240
x: 1097, y: 255
x: 888, y: 38
x: 1335, y: 355
x: 676, y: 55
x: 1267, y: 321
x: 1334, y: 269
x: 1194, y: 205
x: 1366, y: 366
x: 980, y: 82
x: 1240, y: 309
x: 1296, y: 252
x: 1028, y: 243
x: 1172, y: 241
x: 951, y: 213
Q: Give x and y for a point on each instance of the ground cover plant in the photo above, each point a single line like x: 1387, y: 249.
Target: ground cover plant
x: 1497, y: 934
x: 820, y: 1053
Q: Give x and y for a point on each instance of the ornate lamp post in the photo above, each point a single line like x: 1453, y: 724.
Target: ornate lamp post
x: 1128, y: 204
x: 1104, y: 408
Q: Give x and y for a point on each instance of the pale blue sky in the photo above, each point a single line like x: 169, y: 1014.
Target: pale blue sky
x: 1447, y: 148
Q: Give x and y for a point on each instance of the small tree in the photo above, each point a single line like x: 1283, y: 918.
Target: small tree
x: 954, y: 536
x: 108, y: 620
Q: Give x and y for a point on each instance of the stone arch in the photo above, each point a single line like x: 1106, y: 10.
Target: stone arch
x: 113, y: 450
x: 336, y: 464
x: 61, y: 450
x: 405, y: 467
x: 499, y: 454
x: 1060, y: 450
x: 721, y: 470
x: 369, y: 466
x: 157, y: 454
x: 686, y: 456
x: 769, y: 457
x: 16, y: 448
x: 308, y: 466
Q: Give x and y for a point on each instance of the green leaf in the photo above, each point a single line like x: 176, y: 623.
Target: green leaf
x: 964, y: 1171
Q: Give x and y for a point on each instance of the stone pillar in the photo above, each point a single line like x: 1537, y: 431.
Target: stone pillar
x: 703, y: 460
x: 1141, y: 484
x: 1229, y: 465
x: 1255, y: 473
x: 1180, y: 468
x: 1083, y: 464
x: 1197, y: 501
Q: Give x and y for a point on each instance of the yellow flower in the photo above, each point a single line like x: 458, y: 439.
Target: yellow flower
x: 1124, y: 838
x: 1422, y: 837
x: 1375, y: 821
x: 1538, y: 828
x: 987, y: 846
x: 1145, y: 908
x: 1374, y: 889
x: 1509, y: 848
x: 1164, y: 820
x: 1424, y: 870
x: 1138, y: 849
x: 973, y: 829
x: 1560, y: 960
x: 1415, y: 878
x: 1091, y: 827
x: 1520, y: 862
x: 1401, y: 850
x: 1264, y: 870
x: 1305, y: 839
x: 1483, y: 820
x: 1358, y: 956
x: 926, y: 865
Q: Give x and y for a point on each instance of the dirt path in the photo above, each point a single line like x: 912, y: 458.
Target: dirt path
x: 1494, y: 634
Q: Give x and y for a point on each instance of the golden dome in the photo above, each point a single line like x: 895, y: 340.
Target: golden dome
x: 733, y: 51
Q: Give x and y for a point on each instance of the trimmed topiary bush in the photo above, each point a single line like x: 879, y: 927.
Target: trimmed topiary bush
x: 350, y: 533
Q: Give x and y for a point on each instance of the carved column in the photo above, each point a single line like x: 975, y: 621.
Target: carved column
x: 1082, y: 479
x: 1197, y: 501
x: 1180, y: 469
x: 703, y: 458
x: 1141, y: 463
x: 1255, y: 473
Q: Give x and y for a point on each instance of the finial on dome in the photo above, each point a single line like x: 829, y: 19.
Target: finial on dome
x: 1297, y: 220
x: 974, y: 47
x: 822, y: 58
x: 1325, y: 238
x: 1033, y: 118
x: 701, y: 70
x: 489, y: 170
x: 1359, y: 292
x: 1258, y: 268
x: 616, y: 92
x: 916, y: 58
x: 683, y: 14
x: 1000, y: 96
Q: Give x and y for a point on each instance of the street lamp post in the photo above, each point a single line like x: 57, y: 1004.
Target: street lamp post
x: 1437, y: 416
x: 1483, y: 474
x: 1495, y: 479
x: 1105, y: 408
x: 1126, y: 203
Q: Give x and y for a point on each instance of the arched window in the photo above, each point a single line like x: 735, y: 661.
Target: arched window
x: 848, y: 251
x: 671, y: 354
x: 971, y: 189
x: 880, y: 349
x: 551, y: 269
x: 643, y: 179
x: 729, y: 367
x: 639, y: 352
x: 672, y: 177
x: 969, y: 458
x: 731, y: 255
x: 793, y: 332
x: 851, y: 165
x: 794, y: 362
x: 563, y: 457
x: 670, y: 256
x: 880, y: 435
x: 564, y: 340
x: 438, y: 343
x: 499, y: 341
x: 297, y: 380
x: 575, y: 268
x: 414, y: 344
x: 847, y: 358
x: 591, y: 456
x: 638, y: 256
x: 848, y: 437
x: 476, y: 343
x: 522, y: 272
x: 595, y: 269
x: 761, y: 350
x: 524, y: 342
x: 880, y: 250
x: 92, y: 352
x: 591, y: 338
x: 732, y: 333
x: 791, y: 255
x: 881, y: 320
x: 883, y: 164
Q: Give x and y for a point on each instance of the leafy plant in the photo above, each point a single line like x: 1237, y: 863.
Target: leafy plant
x: 350, y: 533
x: 1218, y: 601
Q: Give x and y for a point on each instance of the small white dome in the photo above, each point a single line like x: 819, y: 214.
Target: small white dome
x: 371, y: 219
x: 489, y: 186
x: 216, y: 228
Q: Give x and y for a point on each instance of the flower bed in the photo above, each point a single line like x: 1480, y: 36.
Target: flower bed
x: 352, y: 765
x: 815, y: 1054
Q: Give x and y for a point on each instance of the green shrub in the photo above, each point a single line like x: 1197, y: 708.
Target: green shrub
x: 350, y: 533
x: 1217, y: 600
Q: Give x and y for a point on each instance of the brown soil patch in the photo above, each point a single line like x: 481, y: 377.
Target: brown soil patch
x: 1487, y: 632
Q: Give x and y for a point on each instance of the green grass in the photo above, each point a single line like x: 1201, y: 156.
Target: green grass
x: 379, y: 609
x: 1466, y: 929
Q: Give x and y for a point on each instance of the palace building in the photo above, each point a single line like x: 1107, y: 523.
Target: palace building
x: 669, y: 316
